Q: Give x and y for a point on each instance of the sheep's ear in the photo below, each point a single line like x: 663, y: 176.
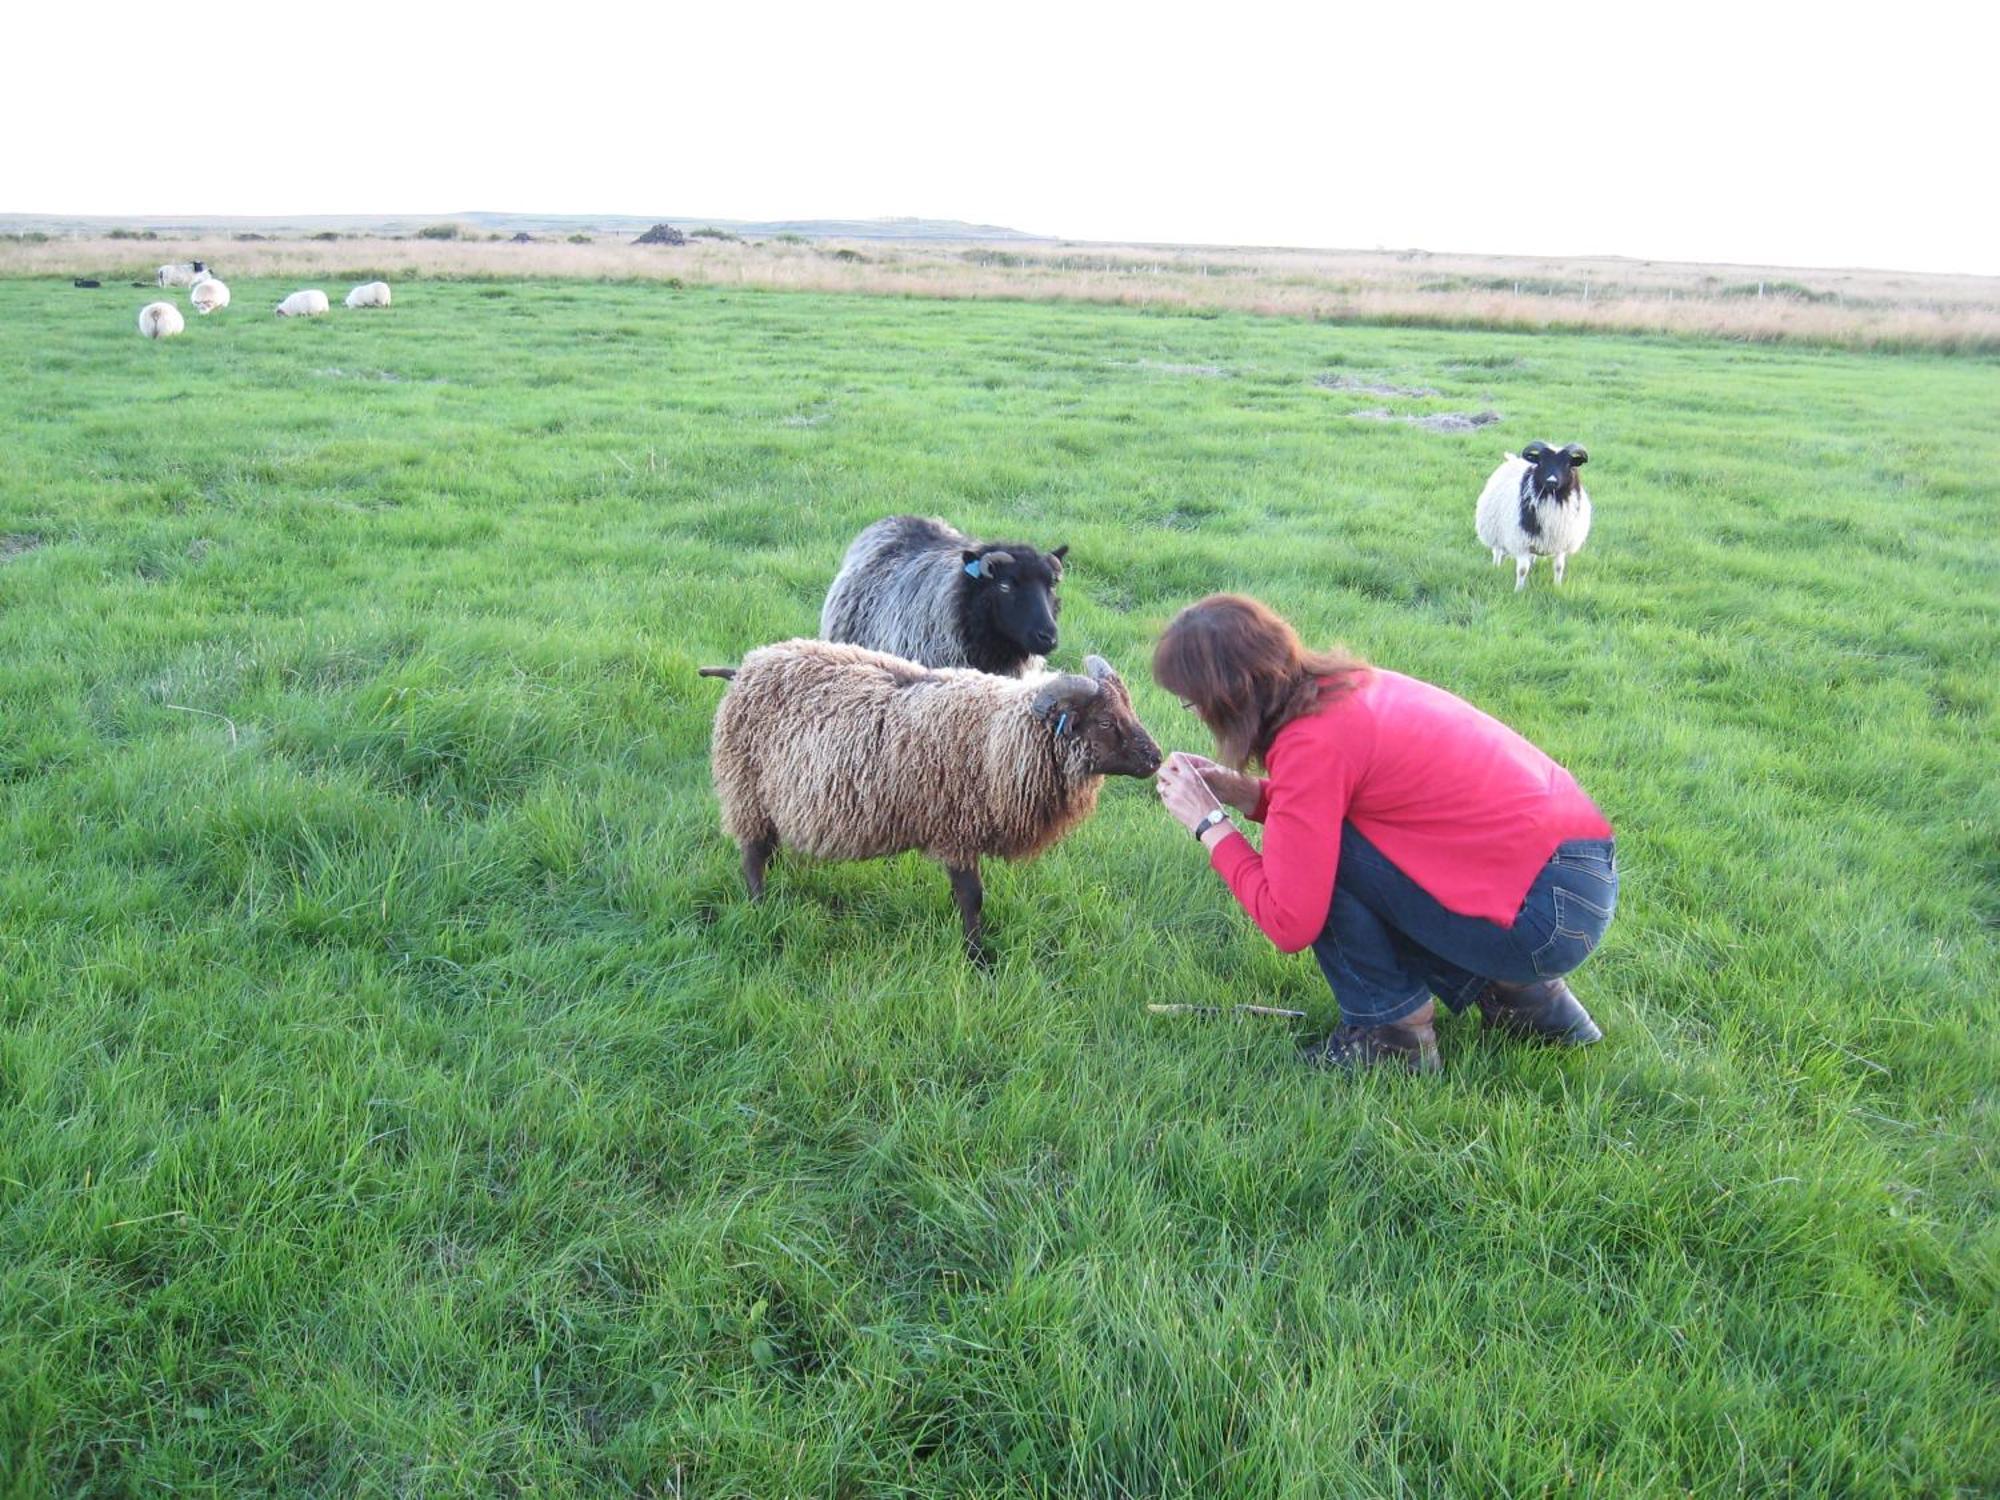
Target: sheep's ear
x: 1067, y: 695
x: 1577, y: 453
x: 1061, y: 552
x: 975, y: 566
x: 1535, y: 452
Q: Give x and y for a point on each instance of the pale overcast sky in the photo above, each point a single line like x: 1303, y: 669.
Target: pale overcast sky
x: 1821, y: 135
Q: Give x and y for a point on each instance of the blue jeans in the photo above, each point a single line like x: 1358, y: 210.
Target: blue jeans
x: 1389, y: 946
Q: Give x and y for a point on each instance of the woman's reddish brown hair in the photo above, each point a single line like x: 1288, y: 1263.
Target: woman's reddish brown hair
x: 1242, y: 668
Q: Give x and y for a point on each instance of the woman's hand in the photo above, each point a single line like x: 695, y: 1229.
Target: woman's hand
x: 1184, y: 792
x: 1233, y: 787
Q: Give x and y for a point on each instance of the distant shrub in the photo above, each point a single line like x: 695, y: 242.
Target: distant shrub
x: 250, y: 238
x: 1791, y: 289
x: 438, y: 232
x: 1521, y: 286
x: 26, y: 237
x: 843, y: 253
x: 581, y: 239
x: 326, y: 234
x: 710, y: 232
x: 131, y: 234
x: 789, y: 238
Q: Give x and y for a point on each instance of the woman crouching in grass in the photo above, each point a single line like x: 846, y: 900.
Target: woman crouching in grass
x: 1417, y: 846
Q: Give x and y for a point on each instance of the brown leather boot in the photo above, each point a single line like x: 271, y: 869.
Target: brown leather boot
x: 1542, y: 1012
x: 1413, y: 1043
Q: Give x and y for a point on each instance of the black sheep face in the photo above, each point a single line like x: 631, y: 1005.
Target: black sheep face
x: 1552, y: 471
x: 1011, y: 594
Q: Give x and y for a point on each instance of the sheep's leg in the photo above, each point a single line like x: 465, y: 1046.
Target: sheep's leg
x: 1560, y: 559
x: 1499, y: 556
x: 756, y: 859
x: 970, y: 894
x: 1521, y: 566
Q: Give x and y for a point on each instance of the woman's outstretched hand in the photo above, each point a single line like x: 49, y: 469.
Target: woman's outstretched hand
x: 1184, y: 793
x: 1232, y: 787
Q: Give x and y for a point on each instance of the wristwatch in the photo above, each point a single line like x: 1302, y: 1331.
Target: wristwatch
x: 1214, y: 816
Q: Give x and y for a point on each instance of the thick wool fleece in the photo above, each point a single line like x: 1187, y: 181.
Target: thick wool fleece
x: 847, y: 753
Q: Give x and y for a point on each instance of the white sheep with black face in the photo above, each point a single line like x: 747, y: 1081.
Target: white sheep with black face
x: 1534, y: 505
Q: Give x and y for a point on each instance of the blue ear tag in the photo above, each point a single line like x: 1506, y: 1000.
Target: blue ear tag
x: 1062, y: 724
x: 976, y: 568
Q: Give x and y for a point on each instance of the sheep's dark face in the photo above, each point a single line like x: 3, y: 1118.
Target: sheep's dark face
x: 1096, y: 712
x: 1552, y: 471
x: 1011, y: 595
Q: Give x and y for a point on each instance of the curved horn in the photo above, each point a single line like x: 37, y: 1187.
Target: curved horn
x: 1065, y: 694
x: 1101, y: 670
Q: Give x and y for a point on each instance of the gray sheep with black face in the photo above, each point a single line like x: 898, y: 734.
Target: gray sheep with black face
x: 923, y: 590
x: 1534, y: 505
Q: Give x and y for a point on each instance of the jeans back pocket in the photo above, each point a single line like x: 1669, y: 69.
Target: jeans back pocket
x: 1579, y: 927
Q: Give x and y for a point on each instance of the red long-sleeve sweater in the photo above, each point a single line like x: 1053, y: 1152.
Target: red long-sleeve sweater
x: 1455, y: 799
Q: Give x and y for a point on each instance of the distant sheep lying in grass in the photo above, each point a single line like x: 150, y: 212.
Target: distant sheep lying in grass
x: 369, y: 294
x: 1535, y: 506
x: 180, y: 273
x: 160, y: 320
x: 920, y: 589
x: 306, y: 304
x: 207, y: 295
x: 846, y: 753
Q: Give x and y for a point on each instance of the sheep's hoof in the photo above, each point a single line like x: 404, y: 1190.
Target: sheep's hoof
x: 980, y: 957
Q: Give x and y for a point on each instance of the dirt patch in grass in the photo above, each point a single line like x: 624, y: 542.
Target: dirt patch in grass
x: 1370, y: 387
x: 14, y: 543
x: 1207, y: 372
x: 1443, y: 421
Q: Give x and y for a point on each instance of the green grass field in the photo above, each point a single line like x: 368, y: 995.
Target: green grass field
x: 397, y: 1095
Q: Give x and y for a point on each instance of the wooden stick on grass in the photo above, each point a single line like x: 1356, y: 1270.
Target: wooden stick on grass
x: 1217, y: 1010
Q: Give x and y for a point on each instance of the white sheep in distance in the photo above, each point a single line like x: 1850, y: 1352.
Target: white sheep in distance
x: 1534, y: 505
x: 160, y: 320
x: 369, y: 294
x: 180, y: 273
x: 207, y: 295
x: 307, y: 304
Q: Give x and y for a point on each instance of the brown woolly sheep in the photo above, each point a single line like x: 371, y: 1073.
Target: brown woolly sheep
x: 846, y: 753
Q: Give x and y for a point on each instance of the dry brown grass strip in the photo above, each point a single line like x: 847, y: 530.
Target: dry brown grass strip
x: 1844, y: 308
